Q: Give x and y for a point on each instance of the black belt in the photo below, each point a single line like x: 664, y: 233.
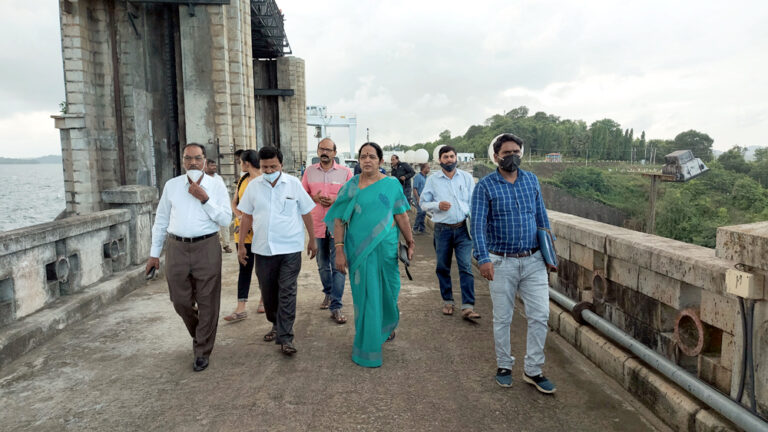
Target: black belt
x: 517, y: 254
x: 453, y: 226
x: 191, y: 239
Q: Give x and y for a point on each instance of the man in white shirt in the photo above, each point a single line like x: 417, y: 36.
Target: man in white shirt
x: 192, y: 208
x: 224, y: 236
x: 275, y: 205
x: 447, y: 195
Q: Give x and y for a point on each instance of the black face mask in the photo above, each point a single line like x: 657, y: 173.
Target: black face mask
x: 448, y: 167
x: 510, y: 163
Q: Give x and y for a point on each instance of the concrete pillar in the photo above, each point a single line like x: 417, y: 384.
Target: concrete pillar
x: 292, y: 112
x: 140, y: 200
x: 197, y: 64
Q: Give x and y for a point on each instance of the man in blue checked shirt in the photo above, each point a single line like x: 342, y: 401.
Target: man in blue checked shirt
x: 447, y: 195
x: 507, y: 210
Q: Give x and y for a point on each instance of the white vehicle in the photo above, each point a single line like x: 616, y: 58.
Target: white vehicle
x: 683, y: 166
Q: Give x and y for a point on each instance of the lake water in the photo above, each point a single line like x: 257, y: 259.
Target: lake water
x: 31, y: 194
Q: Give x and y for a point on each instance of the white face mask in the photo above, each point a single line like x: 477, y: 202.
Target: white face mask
x: 271, y: 177
x: 194, y: 175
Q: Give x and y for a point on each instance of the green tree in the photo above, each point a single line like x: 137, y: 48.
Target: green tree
x: 733, y: 160
x: 697, y: 142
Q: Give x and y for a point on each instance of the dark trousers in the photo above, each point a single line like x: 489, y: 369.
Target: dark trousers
x: 448, y: 240
x: 246, y: 272
x: 277, y: 279
x: 418, y: 224
x: 193, y: 272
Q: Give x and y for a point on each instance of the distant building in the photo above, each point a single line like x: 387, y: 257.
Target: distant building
x: 553, y: 157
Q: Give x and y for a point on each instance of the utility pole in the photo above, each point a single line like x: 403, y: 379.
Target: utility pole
x: 367, y: 135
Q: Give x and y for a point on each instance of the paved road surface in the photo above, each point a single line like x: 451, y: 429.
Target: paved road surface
x: 129, y: 367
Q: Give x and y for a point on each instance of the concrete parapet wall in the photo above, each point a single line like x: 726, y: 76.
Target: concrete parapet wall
x: 44, y: 262
x: 642, y: 284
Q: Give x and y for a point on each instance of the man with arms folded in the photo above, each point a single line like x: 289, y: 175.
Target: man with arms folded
x: 192, y: 208
x: 507, y: 210
x: 275, y: 205
x: 322, y: 182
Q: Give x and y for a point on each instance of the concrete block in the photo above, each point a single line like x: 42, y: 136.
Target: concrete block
x: 623, y: 272
x: 74, y: 76
x: 708, y: 420
x: 745, y: 244
x: 727, y: 351
x: 554, y: 316
x: 711, y: 371
x: 582, y: 256
x: 660, y: 287
x: 745, y: 285
x: 569, y: 328
x: 668, y: 401
x: 603, y: 353
x: 692, y: 264
x: 631, y: 246
x: 719, y: 311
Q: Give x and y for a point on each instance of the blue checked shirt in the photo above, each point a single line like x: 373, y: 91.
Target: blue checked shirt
x: 505, y: 216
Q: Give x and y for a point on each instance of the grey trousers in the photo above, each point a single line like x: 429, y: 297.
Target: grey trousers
x: 193, y: 272
x: 527, y: 276
x: 277, y: 276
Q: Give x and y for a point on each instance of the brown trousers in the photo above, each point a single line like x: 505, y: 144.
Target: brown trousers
x: 193, y: 272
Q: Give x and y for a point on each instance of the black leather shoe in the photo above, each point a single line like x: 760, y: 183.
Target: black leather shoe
x: 200, y: 363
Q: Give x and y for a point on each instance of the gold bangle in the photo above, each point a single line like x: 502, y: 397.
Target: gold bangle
x: 339, y: 244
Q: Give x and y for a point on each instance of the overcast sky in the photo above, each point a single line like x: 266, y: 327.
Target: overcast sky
x: 410, y: 69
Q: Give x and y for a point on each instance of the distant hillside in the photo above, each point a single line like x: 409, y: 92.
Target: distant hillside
x: 50, y: 159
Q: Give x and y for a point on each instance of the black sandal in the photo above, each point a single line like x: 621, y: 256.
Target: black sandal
x: 269, y: 337
x: 391, y: 336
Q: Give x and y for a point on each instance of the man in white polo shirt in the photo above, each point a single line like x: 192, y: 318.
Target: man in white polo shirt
x: 275, y: 205
x: 191, y: 210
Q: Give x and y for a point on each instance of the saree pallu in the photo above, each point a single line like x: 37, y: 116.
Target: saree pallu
x: 370, y: 244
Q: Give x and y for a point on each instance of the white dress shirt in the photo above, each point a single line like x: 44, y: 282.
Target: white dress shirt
x: 182, y: 214
x: 277, y: 212
x: 457, y: 191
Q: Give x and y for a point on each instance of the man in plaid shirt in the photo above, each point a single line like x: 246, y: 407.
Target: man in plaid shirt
x: 507, y: 210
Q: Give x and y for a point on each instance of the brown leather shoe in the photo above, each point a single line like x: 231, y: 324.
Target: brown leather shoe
x: 338, y: 317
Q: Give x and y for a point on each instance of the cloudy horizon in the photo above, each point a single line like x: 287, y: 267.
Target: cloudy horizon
x: 410, y: 70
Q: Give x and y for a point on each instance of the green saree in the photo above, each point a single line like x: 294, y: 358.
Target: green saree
x: 370, y: 244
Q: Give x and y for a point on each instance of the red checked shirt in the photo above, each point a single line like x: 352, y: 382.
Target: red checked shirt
x: 328, y: 184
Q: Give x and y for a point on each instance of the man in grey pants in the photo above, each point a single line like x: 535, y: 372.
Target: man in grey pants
x: 191, y: 210
x: 275, y: 205
x: 507, y: 210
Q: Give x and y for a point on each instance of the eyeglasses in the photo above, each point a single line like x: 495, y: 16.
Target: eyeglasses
x: 195, y: 158
x: 325, y: 150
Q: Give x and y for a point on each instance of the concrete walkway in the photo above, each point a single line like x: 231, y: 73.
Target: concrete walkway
x: 129, y: 367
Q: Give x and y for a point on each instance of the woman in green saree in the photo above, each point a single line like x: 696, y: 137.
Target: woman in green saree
x: 364, y: 217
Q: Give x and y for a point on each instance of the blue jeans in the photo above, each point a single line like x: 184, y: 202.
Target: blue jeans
x: 332, y: 279
x: 529, y: 277
x: 418, y: 225
x: 448, y: 240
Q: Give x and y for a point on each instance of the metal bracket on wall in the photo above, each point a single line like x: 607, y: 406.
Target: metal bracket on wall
x: 274, y: 92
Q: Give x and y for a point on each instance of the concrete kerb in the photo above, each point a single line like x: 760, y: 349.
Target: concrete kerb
x: 21, y: 337
x: 672, y: 404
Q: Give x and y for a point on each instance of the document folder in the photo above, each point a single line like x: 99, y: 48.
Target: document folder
x: 547, y: 247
